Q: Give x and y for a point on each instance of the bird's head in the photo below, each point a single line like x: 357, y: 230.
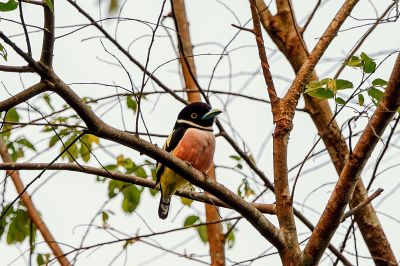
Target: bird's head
x: 198, y: 113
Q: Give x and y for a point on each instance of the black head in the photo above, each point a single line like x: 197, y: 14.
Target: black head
x: 198, y: 114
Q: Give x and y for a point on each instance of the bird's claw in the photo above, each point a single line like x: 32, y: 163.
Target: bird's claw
x: 189, y: 164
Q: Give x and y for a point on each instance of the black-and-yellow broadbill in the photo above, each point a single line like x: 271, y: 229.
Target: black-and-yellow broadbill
x: 192, y: 140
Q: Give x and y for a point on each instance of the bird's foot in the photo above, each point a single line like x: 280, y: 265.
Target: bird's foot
x: 189, y: 164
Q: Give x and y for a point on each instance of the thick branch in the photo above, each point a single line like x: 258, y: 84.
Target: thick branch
x: 215, y: 233
x: 46, y: 57
x: 197, y: 196
x: 302, y: 77
x: 31, y: 209
x: 263, y: 55
x: 341, y: 195
x: 16, y: 69
x: 186, y: 58
x: 284, y: 208
x: 282, y: 33
x: 23, y: 96
x: 32, y: 63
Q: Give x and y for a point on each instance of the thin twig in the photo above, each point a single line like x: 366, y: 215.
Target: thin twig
x: 362, y: 204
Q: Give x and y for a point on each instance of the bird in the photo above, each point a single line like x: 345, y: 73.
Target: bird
x: 192, y: 140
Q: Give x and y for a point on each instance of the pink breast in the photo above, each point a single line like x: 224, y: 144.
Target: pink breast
x: 196, y: 147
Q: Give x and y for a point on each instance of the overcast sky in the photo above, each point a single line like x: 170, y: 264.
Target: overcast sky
x: 68, y: 201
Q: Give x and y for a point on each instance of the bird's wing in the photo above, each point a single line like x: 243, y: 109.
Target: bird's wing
x: 169, y: 145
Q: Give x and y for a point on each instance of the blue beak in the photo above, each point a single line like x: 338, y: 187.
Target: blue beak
x: 211, y: 114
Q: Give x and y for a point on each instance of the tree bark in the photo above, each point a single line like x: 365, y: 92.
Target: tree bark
x: 282, y: 31
x: 215, y: 233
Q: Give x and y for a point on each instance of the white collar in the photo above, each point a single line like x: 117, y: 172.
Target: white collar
x: 183, y: 121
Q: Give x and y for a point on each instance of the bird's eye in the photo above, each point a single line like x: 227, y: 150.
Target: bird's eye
x: 193, y: 115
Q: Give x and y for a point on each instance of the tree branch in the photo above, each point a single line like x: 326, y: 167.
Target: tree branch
x: 284, y: 208
x: 125, y: 52
x: 215, y: 233
x: 131, y: 179
x: 292, y: 96
x: 263, y: 55
x: 320, y: 112
x: 16, y: 69
x: 23, y: 96
x: 46, y: 57
x: 362, y: 204
x: 341, y: 195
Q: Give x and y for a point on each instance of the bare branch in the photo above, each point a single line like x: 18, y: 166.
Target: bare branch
x: 125, y: 52
x: 38, y: 67
x: 263, y: 56
x: 131, y: 179
x: 23, y: 96
x: 341, y: 195
x: 242, y: 28
x: 362, y: 204
x: 16, y: 69
x: 186, y: 58
x: 302, y: 77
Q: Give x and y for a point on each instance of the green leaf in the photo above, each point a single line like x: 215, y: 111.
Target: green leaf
x: 3, y: 52
x: 190, y: 220
x: 315, y: 85
x: 369, y: 65
x: 113, y: 6
x: 153, y: 192
x: 140, y: 172
x: 354, y: 61
x: 360, y: 99
x: 114, y: 187
x: 321, y: 93
x: 19, y: 227
x: 379, y: 82
x: 93, y: 139
x: 49, y: 3
x: 235, y: 157
x: 110, y: 167
x: 26, y: 143
x: 85, y: 152
x: 42, y: 259
x: 9, y: 6
x: 73, y: 151
x: 3, y: 221
x: 375, y: 94
x: 342, y: 84
x: 202, y: 230
x: 365, y: 57
x: 186, y: 201
x: 131, y: 104
x: 104, y: 217
x: 39, y: 259
x: 12, y: 116
x: 230, y: 239
x: 53, y: 140
x: 131, y: 198
x: 47, y: 99
x: 340, y: 101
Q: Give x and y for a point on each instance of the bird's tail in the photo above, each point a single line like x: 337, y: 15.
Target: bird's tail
x: 163, y: 208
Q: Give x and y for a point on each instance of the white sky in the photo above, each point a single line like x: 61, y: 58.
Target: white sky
x: 68, y: 201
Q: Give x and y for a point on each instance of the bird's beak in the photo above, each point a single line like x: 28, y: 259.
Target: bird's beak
x: 211, y: 114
